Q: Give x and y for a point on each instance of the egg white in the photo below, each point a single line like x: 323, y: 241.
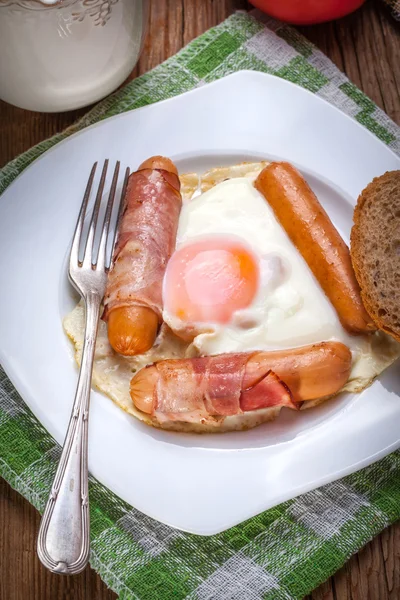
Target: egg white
x: 290, y: 308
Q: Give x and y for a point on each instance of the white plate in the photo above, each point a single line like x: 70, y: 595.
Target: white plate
x: 202, y: 484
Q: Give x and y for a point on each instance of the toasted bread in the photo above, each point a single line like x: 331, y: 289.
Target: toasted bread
x: 375, y: 250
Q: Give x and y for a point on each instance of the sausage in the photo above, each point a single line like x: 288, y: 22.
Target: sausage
x: 251, y: 379
x: 199, y: 390
x: 132, y: 329
x: 146, y: 240
x: 308, y: 226
x: 310, y: 372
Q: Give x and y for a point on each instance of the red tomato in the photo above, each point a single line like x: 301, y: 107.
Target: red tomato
x: 304, y: 12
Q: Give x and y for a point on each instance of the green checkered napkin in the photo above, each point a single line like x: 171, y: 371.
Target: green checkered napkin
x: 286, y: 551
x: 394, y: 6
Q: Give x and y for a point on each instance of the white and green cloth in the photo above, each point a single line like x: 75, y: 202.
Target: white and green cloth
x: 286, y: 551
x: 394, y: 7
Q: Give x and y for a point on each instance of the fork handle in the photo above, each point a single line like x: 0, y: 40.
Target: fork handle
x: 63, y: 540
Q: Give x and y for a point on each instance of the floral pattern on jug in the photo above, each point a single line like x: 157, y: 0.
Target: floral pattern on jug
x: 65, y: 54
x: 99, y: 10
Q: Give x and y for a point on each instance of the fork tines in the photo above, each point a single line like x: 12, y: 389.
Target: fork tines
x: 96, y: 259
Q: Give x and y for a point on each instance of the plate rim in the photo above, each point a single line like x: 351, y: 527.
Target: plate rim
x: 216, y: 82
x: 254, y: 74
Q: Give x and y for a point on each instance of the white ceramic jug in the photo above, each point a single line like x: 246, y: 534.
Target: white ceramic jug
x: 58, y: 55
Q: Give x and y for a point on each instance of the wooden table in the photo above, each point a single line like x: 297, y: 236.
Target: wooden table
x: 373, y: 574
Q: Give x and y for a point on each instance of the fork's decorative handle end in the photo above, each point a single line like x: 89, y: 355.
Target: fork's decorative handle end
x: 68, y: 567
x: 63, y: 541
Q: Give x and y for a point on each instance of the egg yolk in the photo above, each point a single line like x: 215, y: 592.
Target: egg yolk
x: 208, y: 280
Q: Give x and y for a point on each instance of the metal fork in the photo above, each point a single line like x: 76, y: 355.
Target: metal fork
x: 63, y: 541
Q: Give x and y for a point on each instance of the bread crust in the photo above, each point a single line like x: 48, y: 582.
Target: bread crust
x: 372, y: 193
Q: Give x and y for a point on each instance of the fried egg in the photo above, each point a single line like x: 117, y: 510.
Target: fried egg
x: 236, y: 279
x: 235, y: 283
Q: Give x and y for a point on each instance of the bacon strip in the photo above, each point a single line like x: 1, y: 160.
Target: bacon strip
x: 146, y: 240
x: 270, y: 389
x: 202, y: 389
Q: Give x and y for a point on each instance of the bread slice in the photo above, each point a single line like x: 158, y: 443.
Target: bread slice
x: 375, y: 250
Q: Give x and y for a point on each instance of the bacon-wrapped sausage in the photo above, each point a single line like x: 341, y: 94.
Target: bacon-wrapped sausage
x: 199, y: 389
x: 307, y: 224
x: 146, y: 240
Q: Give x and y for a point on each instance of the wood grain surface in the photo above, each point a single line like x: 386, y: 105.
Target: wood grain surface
x: 366, y: 46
